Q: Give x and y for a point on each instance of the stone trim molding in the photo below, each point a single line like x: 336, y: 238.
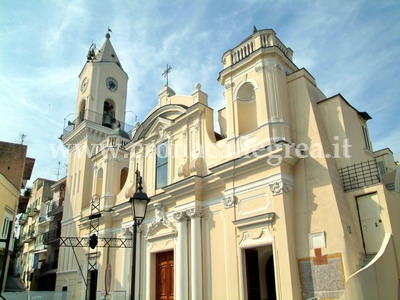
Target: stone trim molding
x: 280, y: 183
x: 195, y: 212
x: 229, y: 201
x: 180, y: 216
x: 160, y: 218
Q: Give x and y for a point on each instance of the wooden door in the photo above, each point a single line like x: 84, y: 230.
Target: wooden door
x: 165, y: 276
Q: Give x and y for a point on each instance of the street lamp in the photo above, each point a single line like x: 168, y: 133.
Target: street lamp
x: 138, y: 201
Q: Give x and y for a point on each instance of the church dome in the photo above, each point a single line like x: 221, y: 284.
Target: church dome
x: 121, y: 133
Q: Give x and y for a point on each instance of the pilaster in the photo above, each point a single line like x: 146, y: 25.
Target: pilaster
x: 288, y: 286
x: 196, y: 270
x: 181, y: 254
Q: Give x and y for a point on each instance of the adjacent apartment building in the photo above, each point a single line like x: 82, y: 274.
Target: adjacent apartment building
x: 287, y: 201
x: 34, y: 224
x: 15, y: 170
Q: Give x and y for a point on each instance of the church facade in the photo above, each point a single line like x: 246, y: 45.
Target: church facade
x: 287, y: 201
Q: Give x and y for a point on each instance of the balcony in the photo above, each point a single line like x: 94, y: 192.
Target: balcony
x: 44, y: 220
x: 106, y: 119
x: 52, y: 236
x: 29, y: 236
x: 39, y: 245
x: 55, y: 208
x: 32, y: 210
x: 360, y: 175
x: 23, y: 218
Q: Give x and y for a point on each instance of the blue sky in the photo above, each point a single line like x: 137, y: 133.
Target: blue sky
x: 350, y: 47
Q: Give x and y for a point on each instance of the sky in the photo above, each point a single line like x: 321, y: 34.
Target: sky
x: 350, y: 47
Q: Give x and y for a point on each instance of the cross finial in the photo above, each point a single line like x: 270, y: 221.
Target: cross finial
x: 168, y: 69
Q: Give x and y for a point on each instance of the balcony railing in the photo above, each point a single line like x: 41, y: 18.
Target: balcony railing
x: 44, y: 219
x: 32, y: 209
x: 52, y: 236
x: 106, y: 119
x: 23, y: 218
x: 260, y: 39
x: 360, y: 175
x: 29, y: 236
x: 39, y: 245
x: 55, y: 208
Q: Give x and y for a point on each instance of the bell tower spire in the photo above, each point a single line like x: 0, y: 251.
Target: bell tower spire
x: 103, y: 87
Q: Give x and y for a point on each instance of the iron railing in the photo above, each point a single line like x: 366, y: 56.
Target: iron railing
x: 105, y: 119
x: 360, y: 175
x: 55, y: 207
x: 51, y: 236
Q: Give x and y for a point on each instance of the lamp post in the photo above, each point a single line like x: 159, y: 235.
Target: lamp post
x: 138, y: 202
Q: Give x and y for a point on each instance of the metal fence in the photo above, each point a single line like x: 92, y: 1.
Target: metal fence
x: 66, y: 295
x: 37, y: 295
x: 360, y: 175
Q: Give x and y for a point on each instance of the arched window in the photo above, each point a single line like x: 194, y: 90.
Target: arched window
x: 246, y: 108
x: 122, y: 177
x: 82, y: 108
x: 108, y: 113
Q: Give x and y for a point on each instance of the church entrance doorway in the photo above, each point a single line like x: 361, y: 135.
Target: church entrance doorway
x: 260, y: 273
x: 165, y: 275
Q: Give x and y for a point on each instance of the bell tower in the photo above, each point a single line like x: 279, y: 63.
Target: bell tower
x: 255, y: 89
x: 102, y: 88
x: 100, y: 113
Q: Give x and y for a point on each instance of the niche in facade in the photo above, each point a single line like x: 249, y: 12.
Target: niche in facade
x: 246, y: 108
x: 122, y: 178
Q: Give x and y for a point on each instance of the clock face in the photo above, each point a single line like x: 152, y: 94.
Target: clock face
x: 112, y: 84
x: 84, y: 84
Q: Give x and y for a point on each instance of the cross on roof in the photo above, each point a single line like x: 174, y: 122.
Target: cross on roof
x: 168, y: 69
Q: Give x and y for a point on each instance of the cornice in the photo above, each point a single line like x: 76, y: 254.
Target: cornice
x: 265, y: 158
x: 192, y: 185
x: 87, y: 130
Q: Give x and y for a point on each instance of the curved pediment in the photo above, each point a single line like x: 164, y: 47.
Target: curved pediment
x: 160, y: 118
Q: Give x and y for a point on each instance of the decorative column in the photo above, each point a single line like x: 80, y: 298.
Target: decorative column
x: 181, y: 266
x: 150, y: 277
x: 196, y: 270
